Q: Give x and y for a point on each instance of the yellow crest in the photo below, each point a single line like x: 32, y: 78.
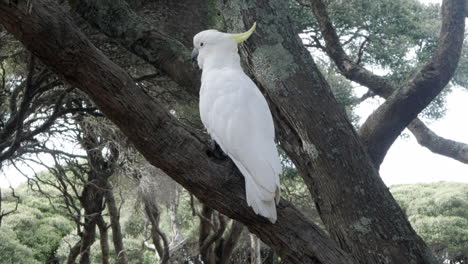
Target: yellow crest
x: 241, y: 37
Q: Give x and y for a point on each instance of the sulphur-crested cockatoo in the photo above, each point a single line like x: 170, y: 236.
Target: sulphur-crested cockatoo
x: 237, y: 117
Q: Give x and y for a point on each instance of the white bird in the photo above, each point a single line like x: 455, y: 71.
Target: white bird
x: 237, y: 117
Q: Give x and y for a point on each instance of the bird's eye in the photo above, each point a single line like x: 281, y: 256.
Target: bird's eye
x: 201, y: 44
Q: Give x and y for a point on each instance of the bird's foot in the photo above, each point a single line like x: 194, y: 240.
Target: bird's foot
x: 216, y: 152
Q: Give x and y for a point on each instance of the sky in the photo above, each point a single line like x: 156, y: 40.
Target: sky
x: 406, y: 161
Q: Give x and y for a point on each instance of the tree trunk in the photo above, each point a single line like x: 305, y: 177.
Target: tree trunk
x: 104, y: 239
x: 355, y: 205
x: 87, y: 240
x: 117, y: 238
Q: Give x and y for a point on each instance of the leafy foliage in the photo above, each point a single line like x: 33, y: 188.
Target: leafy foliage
x: 12, y: 251
x: 439, y: 214
x: 394, y: 38
x: 34, y: 232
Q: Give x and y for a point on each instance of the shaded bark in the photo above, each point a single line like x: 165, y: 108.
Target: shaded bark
x: 51, y: 35
x: 417, y: 92
x: 115, y: 19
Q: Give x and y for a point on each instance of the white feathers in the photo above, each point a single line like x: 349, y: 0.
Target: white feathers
x: 237, y: 117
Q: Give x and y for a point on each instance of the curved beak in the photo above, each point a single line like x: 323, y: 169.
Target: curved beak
x: 194, y: 55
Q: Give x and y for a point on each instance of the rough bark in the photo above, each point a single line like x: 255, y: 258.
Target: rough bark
x: 114, y: 215
x: 353, y: 202
x: 50, y: 34
x: 403, y: 104
x: 167, y: 17
x: 115, y: 19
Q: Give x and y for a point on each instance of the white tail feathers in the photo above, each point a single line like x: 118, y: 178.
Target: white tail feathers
x: 254, y: 194
x: 261, y: 186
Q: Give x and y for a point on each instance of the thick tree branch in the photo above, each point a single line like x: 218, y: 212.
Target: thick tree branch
x: 380, y: 86
x: 52, y: 37
x: 119, y: 22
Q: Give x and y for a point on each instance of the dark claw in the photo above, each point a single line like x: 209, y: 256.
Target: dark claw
x: 216, y: 152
